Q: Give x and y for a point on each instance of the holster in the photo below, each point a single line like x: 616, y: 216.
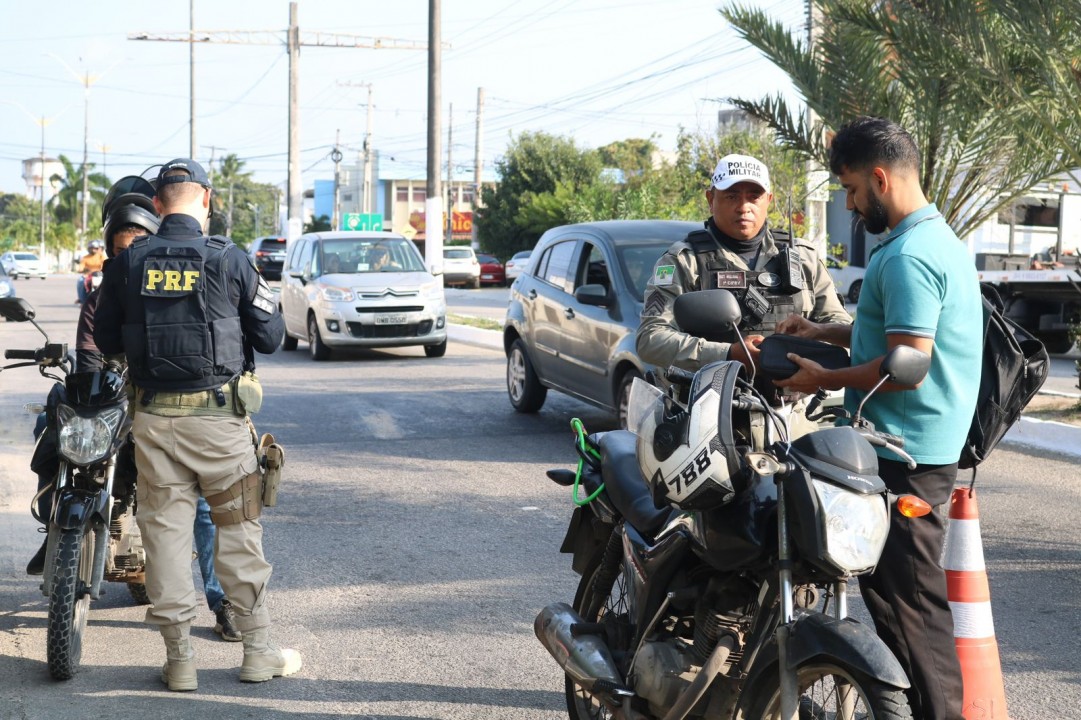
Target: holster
x: 246, y: 488
x: 271, y: 459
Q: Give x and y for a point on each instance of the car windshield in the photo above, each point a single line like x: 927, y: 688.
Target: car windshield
x: 522, y: 255
x: 25, y: 256
x: 272, y: 244
x: 638, y: 262
x: 368, y: 255
x: 457, y: 254
x: 487, y: 259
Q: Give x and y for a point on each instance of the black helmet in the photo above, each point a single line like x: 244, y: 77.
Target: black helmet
x: 130, y: 190
x: 130, y: 214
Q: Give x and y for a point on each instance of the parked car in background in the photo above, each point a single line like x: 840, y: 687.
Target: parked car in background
x: 491, y: 270
x: 518, y: 263
x: 847, y: 278
x: 18, y: 263
x: 574, y: 313
x: 269, y: 256
x: 460, y: 266
x: 360, y: 289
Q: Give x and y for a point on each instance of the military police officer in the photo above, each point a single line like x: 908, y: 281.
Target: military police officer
x: 770, y: 273
x: 186, y: 309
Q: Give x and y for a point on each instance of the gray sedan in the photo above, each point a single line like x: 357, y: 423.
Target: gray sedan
x: 573, y: 314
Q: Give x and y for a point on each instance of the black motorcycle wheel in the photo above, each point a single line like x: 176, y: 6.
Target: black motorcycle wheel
x: 603, y: 596
x: 69, y: 603
x: 822, y: 691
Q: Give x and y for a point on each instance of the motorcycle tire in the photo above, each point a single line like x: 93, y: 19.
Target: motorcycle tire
x: 604, y: 597
x: 69, y: 602
x: 819, y: 684
x: 138, y: 593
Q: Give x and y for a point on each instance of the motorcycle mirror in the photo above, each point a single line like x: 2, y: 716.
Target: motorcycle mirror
x: 708, y: 314
x: 905, y: 365
x: 763, y: 464
x: 16, y: 309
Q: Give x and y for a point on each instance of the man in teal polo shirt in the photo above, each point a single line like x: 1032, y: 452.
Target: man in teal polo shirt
x: 920, y: 290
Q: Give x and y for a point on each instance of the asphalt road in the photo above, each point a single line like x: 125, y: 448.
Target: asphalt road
x: 415, y: 540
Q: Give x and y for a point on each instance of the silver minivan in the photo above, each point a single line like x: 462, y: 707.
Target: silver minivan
x: 360, y: 289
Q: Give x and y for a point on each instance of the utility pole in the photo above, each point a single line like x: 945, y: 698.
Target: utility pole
x: 450, y: 181
x: 817, y: 176
x: 191, y: 79
x: 336, y: 156
x: 369, y: 188
x: 294, y: 40
x: 41, y: 253
x: 433, y: 229
x: 477, y: 160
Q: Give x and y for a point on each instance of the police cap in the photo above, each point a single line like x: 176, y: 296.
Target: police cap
x: 195, y: 173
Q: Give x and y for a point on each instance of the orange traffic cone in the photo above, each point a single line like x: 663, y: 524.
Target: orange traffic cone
x: 970, y: 600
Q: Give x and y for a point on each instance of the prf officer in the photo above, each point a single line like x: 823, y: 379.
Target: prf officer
x: 182, y: 306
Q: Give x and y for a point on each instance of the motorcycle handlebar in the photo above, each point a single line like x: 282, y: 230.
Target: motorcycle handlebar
x: 678, y: 376
x: 21, y: 354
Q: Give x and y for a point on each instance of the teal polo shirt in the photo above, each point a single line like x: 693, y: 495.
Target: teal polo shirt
x: 921, y: 281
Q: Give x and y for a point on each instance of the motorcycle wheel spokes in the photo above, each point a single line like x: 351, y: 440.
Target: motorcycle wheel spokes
x: 830, y: 692
x: 581, y: 704
x: 69, y: 603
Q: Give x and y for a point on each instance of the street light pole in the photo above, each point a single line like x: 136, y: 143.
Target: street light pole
x: 41, y: 251
x: 86, y: 153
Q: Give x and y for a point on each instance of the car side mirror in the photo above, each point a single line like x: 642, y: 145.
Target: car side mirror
x: 592, y: 295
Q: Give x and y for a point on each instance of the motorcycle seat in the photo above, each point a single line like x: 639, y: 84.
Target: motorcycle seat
x: 625, y: 485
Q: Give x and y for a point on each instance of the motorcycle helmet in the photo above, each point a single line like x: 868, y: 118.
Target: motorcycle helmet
x: 130, y: 190
x: 125, y: 215
x: 96, y: 244
x: 693, y: 457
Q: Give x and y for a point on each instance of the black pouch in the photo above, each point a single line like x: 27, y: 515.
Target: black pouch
x: 774, y: 360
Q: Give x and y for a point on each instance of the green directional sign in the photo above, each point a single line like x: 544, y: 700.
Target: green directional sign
x: 362, y: 221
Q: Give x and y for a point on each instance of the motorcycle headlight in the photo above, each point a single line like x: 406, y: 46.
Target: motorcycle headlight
x: 332, y: 293
x: 855, y: 526
x: 84, y: 440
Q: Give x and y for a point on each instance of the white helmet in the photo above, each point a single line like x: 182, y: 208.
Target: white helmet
x: 691, y: 457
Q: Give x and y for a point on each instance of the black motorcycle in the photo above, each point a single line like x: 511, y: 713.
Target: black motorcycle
x: 92, y: 532
x: 714, y: 585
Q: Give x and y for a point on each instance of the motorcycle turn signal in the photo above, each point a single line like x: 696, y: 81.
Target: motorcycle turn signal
x: 912, y: 507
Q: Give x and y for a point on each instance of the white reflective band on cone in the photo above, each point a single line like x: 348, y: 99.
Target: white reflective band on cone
x: 963, y: 549
x: 972, y: 620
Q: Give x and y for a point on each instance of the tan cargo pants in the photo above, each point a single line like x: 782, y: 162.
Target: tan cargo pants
x: 178, y: 458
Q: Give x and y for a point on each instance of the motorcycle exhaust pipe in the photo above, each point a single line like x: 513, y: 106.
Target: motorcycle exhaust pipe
x: 583, y: 656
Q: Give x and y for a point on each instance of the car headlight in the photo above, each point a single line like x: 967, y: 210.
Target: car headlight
x: 5, y: 288
x: 855, y: 526
x: 331, y: 293
x: 84, y: 440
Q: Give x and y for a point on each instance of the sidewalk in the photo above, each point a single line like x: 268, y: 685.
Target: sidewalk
x: 1030, y: 434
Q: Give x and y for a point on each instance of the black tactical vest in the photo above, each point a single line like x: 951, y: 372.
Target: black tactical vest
x: 183, y: 331
x: 766, y: 296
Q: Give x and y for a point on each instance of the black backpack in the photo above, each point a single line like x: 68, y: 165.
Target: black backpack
x: 1015, y: 366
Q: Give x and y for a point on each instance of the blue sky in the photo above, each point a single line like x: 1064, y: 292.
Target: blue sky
x: 594, y: 70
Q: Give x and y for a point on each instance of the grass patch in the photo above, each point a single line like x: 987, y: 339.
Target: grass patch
x: 1059, y: 409
x: 477, y: 322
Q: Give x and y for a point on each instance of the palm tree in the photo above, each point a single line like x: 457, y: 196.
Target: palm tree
x: 230, y: 174
x: 899, y: 59
x: 66, y: 202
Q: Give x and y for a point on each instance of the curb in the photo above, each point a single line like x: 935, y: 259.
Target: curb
x: 1045, y: 435
x: 491, y: 339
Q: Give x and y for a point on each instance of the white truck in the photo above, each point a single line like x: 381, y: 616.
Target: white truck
x: 1032, y: 256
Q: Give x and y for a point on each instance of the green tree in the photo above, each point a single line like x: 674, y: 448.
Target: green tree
x: 896, y: 59
x: 534, y: 165
x: 633, y: 156
x: 67, y: 205
x: 320, y: 223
